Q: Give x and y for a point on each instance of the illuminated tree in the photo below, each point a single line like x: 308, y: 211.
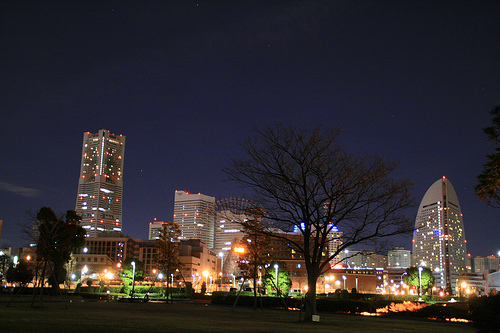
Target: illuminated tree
x: 127, y: 274
x: 412, y: 278
x: 304, y: 181
x: 488, y: 185
x: 284, y: 281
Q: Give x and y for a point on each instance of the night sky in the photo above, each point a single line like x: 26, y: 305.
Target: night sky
x: 186, y: 81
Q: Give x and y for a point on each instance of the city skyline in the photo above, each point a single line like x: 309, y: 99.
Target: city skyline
x: 186, y: 82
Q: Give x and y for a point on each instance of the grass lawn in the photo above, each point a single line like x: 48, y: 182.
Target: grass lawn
x: 188, y: 316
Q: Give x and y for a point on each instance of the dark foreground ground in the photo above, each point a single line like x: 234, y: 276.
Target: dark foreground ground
x: 188, y: 316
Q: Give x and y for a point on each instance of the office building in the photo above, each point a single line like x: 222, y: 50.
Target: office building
x: 195, y: 215
x: 100, y: 186
x: 231, y: 214
x: 399, y: 258
x: 154, y: 229
x: 439, y: 238
x: 486, y: 264
x: 335, y: 241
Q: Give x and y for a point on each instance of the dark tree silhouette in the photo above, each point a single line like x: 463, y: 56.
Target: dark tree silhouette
x: 488, y: 185
x: 167, y: 252
x: 57, y: 239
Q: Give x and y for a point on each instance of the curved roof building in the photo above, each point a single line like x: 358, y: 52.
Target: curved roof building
x: 438, y: 238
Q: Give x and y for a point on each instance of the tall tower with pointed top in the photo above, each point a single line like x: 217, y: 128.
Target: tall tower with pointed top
x: 99, y: 198
x: 439, y: 238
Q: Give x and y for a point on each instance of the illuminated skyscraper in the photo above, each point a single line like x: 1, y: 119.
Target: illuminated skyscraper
x: 195, y: 215
x: 99, y: 199
x: 438, y: 238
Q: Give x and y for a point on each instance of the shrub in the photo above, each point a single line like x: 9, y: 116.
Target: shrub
x: 485, y: 313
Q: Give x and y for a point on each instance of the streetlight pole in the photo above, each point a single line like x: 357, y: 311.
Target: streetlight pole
x: 344, y: 278
x: 221, y: 255
x: 133, y: 277
x: 276, y: 267
x: 420, y: 269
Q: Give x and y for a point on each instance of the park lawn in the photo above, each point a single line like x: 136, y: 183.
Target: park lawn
x: 188, y: 316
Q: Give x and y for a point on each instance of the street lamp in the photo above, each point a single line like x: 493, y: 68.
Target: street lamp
x: 276, y: 267
x: 344, y: 278
x: 205, y: 274
x: 221, y: 255
x: 420, y: 269
x: 463, y: 285
x: 85, y: 269
x: 133, y: 277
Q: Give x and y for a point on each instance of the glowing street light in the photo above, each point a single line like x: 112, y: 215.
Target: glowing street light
x: 276, y: 267
x: 85, y: 269
x: 133, y: 277
x: 420, y: 269
x: 344, y: 278
x: 205, y: 274
x: 463, y: 286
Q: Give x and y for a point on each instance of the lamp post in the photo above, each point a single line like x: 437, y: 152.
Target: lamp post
x: 463, y: 286
x: 205, y: 274
x: 344, y: 278
x: 221, y: 255
x: 133, y: 277
x: 420, y: 269
x: 276, y: 267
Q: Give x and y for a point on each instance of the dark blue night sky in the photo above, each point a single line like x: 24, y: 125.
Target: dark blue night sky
x: 186, y: 81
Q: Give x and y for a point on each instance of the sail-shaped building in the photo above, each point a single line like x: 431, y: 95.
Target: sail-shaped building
x: 438, y: 238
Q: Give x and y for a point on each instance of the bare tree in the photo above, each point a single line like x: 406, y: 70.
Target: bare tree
x: 304, y: 180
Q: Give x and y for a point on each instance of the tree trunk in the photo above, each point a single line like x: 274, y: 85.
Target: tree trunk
x: 310, y: 299
x: 254, y: 293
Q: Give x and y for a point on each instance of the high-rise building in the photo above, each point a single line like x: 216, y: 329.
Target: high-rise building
x: 399, y: 258
x: 335, y: 241
x: 484, y: 264
x: 195, y: 215
x: 439, y: 238
x: 154, y: 229
x: 99, y: 198
x: 231, y: 214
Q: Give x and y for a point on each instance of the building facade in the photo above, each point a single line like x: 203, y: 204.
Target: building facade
x: 483, y: 264
x: 154, y: 229
x: 439, y: 238
x: 399, y: 258
x: 195, y: 215
x: 335, y: 242
x: 100, y: 186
